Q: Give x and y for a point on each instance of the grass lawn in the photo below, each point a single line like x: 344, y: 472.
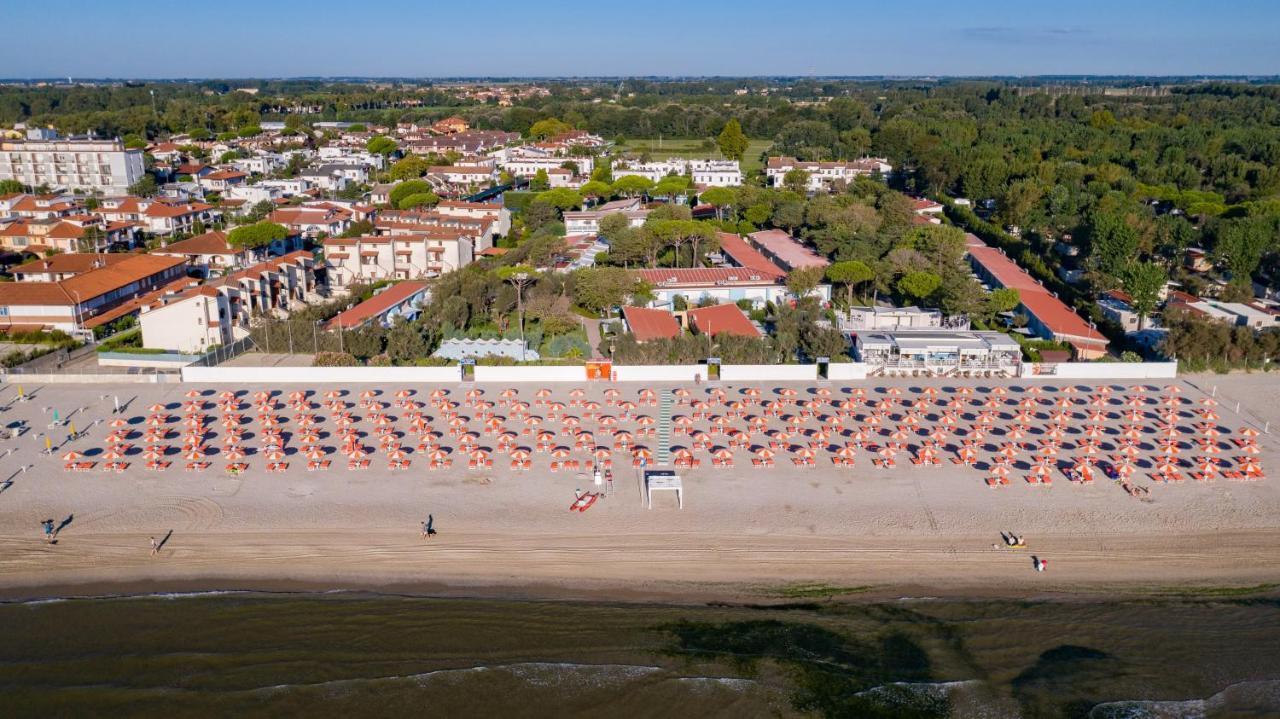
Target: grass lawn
x: 751, y: 161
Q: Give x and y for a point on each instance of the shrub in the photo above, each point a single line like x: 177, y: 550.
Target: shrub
x: 334, y: 359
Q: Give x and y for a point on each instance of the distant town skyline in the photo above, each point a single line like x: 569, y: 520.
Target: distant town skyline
x: 395, y: 38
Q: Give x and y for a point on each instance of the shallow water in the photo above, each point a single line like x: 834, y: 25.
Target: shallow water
x: 362, y: 655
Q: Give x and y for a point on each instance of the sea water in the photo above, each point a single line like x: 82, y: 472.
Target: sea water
x: 356, y: 655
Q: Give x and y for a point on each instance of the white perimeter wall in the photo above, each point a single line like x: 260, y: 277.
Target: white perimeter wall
x: 660, y: 373
x: 531, y: 373
x: 764, y: 372
x: 251, y: 375
x: 1100, y: 370
x: 846, y: 371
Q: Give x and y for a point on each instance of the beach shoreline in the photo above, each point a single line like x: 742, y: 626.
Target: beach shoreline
x: 744, y: 535
x: 1114, y: 567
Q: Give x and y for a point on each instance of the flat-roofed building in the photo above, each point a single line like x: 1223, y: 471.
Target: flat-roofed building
x: 80, y: 163
x: 856, y: 319
x: 926, y: 353
x: 786, y: 251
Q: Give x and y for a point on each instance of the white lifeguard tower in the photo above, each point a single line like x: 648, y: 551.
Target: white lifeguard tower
x: 659, y: 480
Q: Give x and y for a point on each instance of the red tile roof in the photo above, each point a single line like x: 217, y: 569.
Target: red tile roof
x: 76, y: 262
x: 705, y: 276
x: 377, y: 305
x: 744, y: 255
x: 1039, y: 302
x: 647, y: 324
x: 722, y: 319
x: 210, y: 243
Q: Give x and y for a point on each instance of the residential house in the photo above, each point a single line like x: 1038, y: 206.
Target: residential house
x: 313, y: 221
x: 717, y: 320
x: 587, y: 222
x: 222, y: 180
x: 720, y: 284
x: 87, y: 299
x: 64, y: 266
x: 209, y: 253
x: 648, y: 324
x: 403, y: 299
x: 455, y: 177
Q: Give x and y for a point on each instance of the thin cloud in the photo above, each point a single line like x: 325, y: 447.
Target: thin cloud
x: 1006, y: 34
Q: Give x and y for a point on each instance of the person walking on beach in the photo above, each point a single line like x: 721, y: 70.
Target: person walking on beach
x: 428, y: 528
x: 48, y: 530
x: 155, y: 547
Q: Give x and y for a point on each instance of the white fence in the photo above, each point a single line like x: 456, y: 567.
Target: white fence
x: 1099, y: 370
x: 843, y: 371
x: 312, y: 375
x: 764, y: 372
x: 660, y: 373
x: 29, y: 380
x: 531, y: 373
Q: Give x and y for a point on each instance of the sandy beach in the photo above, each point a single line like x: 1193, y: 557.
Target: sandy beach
x: 744, y: 533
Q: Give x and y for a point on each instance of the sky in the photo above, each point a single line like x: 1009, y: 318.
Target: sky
x: 292, y: 38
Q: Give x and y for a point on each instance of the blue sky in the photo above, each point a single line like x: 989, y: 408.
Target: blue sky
x: 275, y: 38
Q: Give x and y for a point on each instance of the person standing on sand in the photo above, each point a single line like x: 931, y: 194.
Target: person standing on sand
x: 48, y: 530
x: 155, y: 547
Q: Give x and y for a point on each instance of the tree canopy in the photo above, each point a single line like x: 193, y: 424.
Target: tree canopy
x: 259, y: 234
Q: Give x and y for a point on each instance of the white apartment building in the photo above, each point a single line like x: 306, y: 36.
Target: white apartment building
x: 287, y: 187
x: 823, y: 174
x: 706, y: 173
x: 528, y: 166
x: 191, y: 321
x: 716, y: 173
x: 423, y: 254
x: 192, y: 318
x: 90, y: 164
x: 253, y: 194
x: 492, y: 211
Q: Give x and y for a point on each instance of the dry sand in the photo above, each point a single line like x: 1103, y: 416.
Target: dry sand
x: 743, y: 532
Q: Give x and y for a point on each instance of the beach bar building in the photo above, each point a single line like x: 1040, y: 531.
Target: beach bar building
x: 938, y: 353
